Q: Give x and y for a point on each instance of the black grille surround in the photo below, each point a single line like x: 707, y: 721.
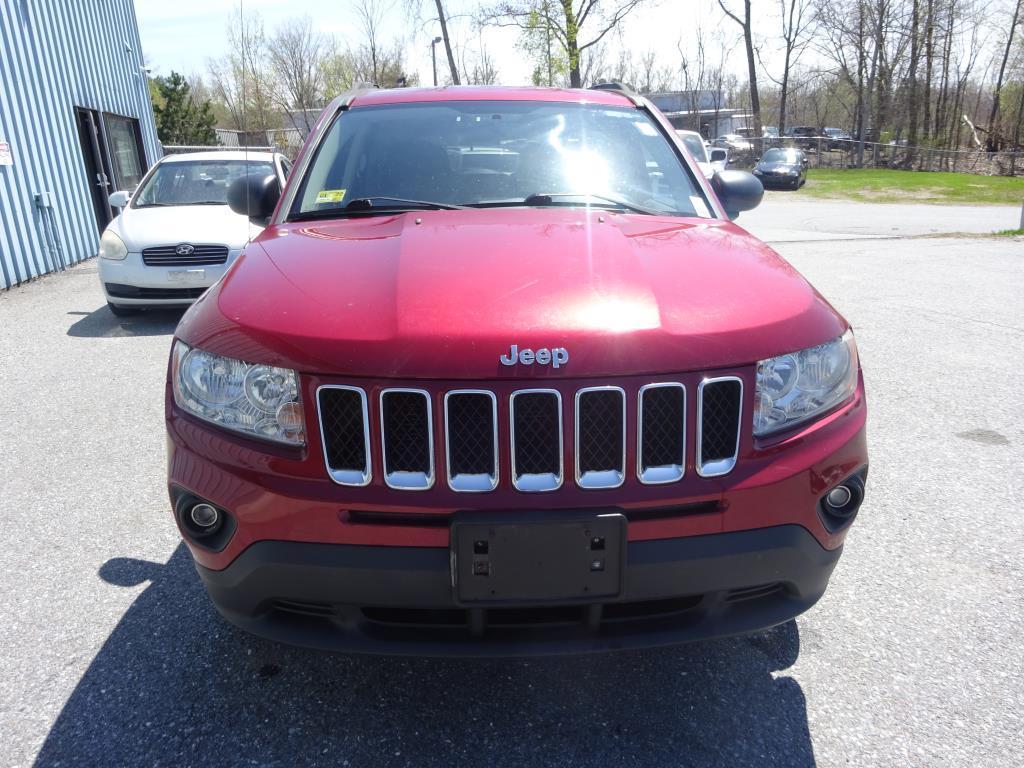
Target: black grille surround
x: 119, y: 291
x: 525, y: 438
x: 168, y: 256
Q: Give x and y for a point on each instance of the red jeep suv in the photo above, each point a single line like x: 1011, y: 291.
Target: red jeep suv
x: 500, y: 377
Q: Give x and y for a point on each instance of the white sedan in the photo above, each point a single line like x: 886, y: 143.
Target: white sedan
x: 176, y: 235
x: 710, y: 159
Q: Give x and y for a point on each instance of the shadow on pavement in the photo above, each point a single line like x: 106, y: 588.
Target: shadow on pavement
x: 102, y: 324
x: 175, y: 685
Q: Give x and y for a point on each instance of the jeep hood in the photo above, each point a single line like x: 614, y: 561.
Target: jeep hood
x: 442, y: 294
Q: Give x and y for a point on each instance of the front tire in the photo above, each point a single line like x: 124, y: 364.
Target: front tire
x: 119, y: 311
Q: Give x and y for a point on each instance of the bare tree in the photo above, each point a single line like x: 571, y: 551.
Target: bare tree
x: 447, y: 43
x: 297, y: 54
x: 746, y: 25
x: 994, y: 138
x: 575, y: 25
x: 241, y: 80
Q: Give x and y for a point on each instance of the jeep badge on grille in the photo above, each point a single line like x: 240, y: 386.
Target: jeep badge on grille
x: 555, y: 357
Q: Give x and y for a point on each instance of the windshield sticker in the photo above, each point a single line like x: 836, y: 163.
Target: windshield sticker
x: 330, y: 196
x: 700, y: 207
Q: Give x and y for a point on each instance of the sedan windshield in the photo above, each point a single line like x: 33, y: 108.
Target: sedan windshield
x: 696, y: 147
x: 199, y: 182
x: 780, y: 156
x: 495, y: 153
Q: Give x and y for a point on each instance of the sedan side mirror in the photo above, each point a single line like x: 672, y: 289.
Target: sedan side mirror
x: 719, y: 155
x: 737, y: 191
x: 119, y: 199
x: 254, y: 197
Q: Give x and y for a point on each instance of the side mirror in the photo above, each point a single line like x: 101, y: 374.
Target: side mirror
x: 254, y: 197
x: 119, y: 199
x: 719, y: 155
x: 737, y: 191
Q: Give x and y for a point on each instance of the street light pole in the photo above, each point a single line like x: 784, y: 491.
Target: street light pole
x: 433, y: 56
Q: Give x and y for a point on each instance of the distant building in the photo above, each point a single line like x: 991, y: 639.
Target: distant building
x: 701, y: 111
x: 75, y: 125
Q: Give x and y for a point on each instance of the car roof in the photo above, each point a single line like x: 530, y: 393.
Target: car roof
x: 221, y: 154
x: 490, y: 93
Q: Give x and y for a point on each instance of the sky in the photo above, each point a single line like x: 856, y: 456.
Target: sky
x: 182, y: 35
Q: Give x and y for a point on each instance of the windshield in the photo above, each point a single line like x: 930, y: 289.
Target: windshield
x: 696, y: 147
x: 780, y: 156
x: 496, y: 153
x: 199, y: 182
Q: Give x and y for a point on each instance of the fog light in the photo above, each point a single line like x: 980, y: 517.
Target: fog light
x: 839, y: 497
x: 204, y: 515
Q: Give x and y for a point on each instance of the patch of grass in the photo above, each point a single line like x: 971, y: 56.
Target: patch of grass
x: 891, y: 186
x: 1011, y: 233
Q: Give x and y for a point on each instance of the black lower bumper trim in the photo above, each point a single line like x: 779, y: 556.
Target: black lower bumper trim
x: 399, y: 600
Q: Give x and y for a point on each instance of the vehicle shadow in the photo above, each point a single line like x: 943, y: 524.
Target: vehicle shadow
x: 175, y: 685
x: 102, y: 324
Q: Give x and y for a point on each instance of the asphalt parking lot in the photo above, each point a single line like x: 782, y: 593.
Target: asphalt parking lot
x: 111, y: 654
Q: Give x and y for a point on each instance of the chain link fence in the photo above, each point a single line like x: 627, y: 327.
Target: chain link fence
x: 825, y: 152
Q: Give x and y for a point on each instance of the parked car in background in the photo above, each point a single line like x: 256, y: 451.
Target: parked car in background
x: 769, y: 132
x: 735, y: 144
x: 549, y: 401
x: 710, y: 160
x: 176, y: 235
x: 782, y: 167
x: 804, y: 136
x: 838, y: 139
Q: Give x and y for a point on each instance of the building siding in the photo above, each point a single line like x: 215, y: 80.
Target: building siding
x: 56, y: 55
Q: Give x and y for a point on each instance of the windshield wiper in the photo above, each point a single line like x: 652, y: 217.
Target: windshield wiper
x: 365, y: 205
x: 547, y: 198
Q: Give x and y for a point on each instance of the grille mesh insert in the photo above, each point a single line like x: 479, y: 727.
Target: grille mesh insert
x: 600, y: 430
x: 470, y: 434
x: 720, y: 420
x: 661, y: 440
x: 405, y: 419
x: 341, y: 414
x: 537, y: 434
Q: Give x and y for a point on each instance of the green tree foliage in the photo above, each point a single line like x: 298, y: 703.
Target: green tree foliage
x: 180, y: 118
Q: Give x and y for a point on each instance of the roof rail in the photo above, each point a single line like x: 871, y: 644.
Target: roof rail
x: 179, y: 149
x: 625, y: 90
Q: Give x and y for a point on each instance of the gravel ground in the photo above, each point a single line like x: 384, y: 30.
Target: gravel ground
x: 111, y: 654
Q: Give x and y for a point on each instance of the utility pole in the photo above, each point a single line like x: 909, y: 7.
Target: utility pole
x: 433, y: 56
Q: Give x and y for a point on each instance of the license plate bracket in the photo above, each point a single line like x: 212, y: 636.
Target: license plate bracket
x: 571, y: 558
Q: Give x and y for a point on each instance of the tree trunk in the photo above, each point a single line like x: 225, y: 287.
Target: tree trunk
x: 447, y: 44
x: 783, y: 95
x: 572, y: 47
x: 912, y: 106
x: 929, y: 52
x: 993, y: 129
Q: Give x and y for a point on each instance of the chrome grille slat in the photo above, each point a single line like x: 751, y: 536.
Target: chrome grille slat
x: 719, y: 418
x: 407, y: 439
x: 167, y: 256
x: 535, y: 416
x: 600, y: 431
x: 471, y: 440
x: 661, y: 433
x: 345, y: 433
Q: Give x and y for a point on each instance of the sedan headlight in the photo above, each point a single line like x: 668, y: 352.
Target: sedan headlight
x: 797, y: 387
x: 257, y: 400
x: 112, y: 247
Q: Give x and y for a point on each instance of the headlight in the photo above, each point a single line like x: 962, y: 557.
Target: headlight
x: 795, y: 388
x: 112, y: 247
x: 257, y: 400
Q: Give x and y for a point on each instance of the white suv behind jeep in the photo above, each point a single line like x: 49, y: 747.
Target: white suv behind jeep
x: 176, y: 235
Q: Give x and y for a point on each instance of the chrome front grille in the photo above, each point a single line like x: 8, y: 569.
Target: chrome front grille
x: 536, y: 416
x: 200, y: 255
x: 719, y: 411
x: 518, y: 436
x: 600, y: 437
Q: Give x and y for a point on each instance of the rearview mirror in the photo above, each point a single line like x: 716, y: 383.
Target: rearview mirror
x: 737, y: 191
x: 119, y: 199
x: 254, y: 197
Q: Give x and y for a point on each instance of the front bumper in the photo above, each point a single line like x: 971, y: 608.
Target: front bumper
x: 130, y: 282
x: 400, y: 600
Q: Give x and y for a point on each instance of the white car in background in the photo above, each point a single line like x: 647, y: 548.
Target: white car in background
x: 176, y: 235
x: 710, y: 159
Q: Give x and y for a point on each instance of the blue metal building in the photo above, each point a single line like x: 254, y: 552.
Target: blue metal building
x: 75, y: 125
